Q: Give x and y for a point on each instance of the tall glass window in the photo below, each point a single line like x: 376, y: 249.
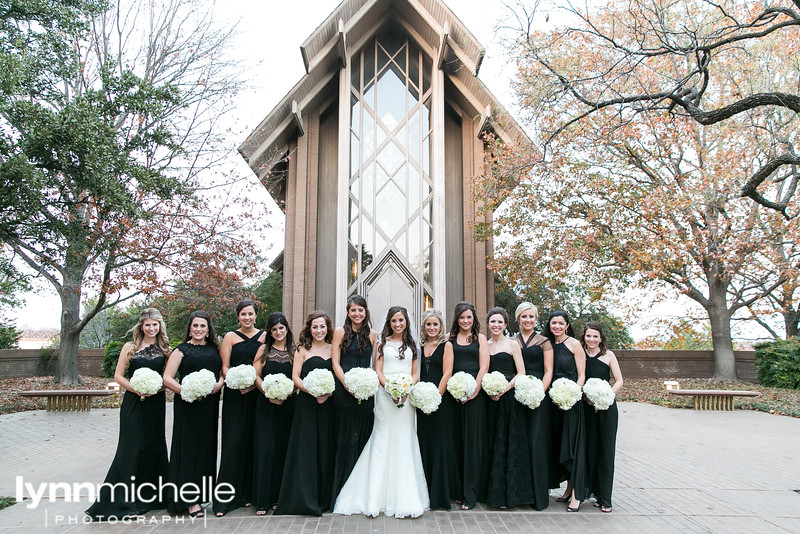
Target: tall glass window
x: 391, y: 192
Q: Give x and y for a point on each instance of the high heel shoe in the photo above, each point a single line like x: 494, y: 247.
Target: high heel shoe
x: 577, y: 508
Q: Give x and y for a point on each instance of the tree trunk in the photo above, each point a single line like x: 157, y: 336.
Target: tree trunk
x: 720, y: 318
x: 790, y: 321
x: 67, y: 369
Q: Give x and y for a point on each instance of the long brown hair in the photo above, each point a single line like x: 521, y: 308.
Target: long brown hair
x: 455, y: 328
x: 211, y: 335
x: 162, y: 341
x: 408, y: 340
x: 305, y: 338
x: 363, y: 333
x: 594, y: 325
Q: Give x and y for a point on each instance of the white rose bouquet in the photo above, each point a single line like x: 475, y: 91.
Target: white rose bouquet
x: 240, y: 377
x: 461, y: 386
x: 565, y: 393
x: 398, y: 385
x: 197, y: 385
x: 425, y: 396
x: 277, y: 386
x: 362, y: 382
x: 145, y: 381
x: 494, y: 383
x: 319, y: 382
x: 529, y: 390
x: 599, y: 392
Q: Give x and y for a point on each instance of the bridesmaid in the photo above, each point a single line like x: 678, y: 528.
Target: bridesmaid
x: 435, y: 431
x: 471, y: 355
x: 308, y: 472
x: 193, y: 457
x: 141, y: 448
x: 601, y: 425
x: 273, y: 417
x: 352, y: 347
x: 510, y: 481
x: 238, y: 411
x: 537, y: 355
x: 569, y: 434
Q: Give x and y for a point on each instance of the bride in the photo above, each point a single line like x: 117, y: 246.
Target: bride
x: 388, y: 476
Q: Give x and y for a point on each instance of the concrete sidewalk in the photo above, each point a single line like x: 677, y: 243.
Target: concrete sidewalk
x: 677, y: 471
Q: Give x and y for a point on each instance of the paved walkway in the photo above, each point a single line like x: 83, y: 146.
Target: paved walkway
x: 677, y: 471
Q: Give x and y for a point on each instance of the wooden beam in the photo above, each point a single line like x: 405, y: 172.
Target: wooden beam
x: 298, y: 119
x: 443, y: 38
x: 485, y: 116
x: 342, y: 44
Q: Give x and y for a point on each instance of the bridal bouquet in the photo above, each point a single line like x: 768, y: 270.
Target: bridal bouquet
x: 599, y: 392
x: 529, y: 390
x: 398, y: 385
x: 425, y: 396
x: 277, y: 386
x: 145, y: 381
x: 494, y: 383
x: 240, y: 377
x: 461, y: 386
x: 565, y: 393
x: 319, y: 382
x: 362, y: 382
x: 198, y: 384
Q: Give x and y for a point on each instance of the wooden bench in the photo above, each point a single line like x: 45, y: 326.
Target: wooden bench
x: 68, y: 400
x: 709, y: 399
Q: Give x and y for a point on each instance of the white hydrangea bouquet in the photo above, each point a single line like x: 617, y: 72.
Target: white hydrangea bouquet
x: 240, y: 377
x: 565, y: 393
x: 529, y: 390
x: 494, y: 383
x: 361, y: 382
x: 398, y: 385
x: 145, y: 381
x: 425, y: 396
x: 319, y: 382
x: 461, y: 386
x: 197, y: 385
x: 599, y: 392
x: 277, y: 386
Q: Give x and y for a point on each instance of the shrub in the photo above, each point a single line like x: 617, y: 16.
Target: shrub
x: 110, y: 357
x: 778, y: 363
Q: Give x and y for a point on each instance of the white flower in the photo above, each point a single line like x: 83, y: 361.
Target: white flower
x: 599, y: 392
x: 198, y: 384
x: 240, y: 377
x: 461, y: 386
x: 529, y: 391
x: 277, y: 386
x: 319, y: 382
x: 425, y: 396
x: 398, y: 385
x: 362, y: 382
x: 494, y: 383
x: 565, y: 393
x: 145, y: 381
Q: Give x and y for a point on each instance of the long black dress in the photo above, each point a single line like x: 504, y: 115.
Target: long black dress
x: 569, y: 432
x: 436, y: 441
x: 141, y: 449
x: 601, y: 438
x: 510, y: 479
x: 353, y: 421
x: 538, y: 425
x: 308, y: 473
x: 470, y: 429
x: 272, y: 427
x: 238, y: 420
x: 193, y: 455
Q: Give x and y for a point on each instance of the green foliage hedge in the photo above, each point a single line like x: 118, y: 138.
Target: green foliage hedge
x: 778, y: 363
x: 110, y: 358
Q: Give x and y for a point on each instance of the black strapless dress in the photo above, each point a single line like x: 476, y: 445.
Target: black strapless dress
x: 238, y: 421
x: 308, y: 472
x: 141, y: 448
x: 436, y: 440
x: 601, y: 438
x: 538, y: 426
x: 193, y: 455
x: 510, y: 479
x: 568, y: 430
x: 470, y: 430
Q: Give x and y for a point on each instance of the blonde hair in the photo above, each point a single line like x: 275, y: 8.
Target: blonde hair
x: 162, y: 341
x: 526, y: 306
x: 427, y: 314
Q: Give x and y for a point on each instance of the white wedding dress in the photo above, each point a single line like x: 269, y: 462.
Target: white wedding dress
x: 388, y: 476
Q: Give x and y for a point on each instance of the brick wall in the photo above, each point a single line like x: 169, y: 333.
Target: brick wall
x: 16, y: 363
x: 680, y: 364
